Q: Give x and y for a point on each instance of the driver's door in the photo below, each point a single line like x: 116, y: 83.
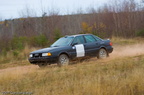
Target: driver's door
x: 78, y: 49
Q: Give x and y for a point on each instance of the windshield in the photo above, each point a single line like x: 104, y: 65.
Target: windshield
x: 65, y: 41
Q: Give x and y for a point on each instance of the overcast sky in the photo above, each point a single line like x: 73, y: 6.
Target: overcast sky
x: 10, y: 9
x: 16, y: 8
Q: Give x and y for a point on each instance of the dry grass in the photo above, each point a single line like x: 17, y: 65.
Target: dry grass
x: 18, y: 59
x: 119, y: 76
x: 123, y: 41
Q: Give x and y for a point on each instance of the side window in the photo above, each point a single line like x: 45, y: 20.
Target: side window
x: 79, y: 40
x: 97, y: 38
x: 89, y: 38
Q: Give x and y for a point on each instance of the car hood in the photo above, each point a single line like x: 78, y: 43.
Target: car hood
x: 44, y: 50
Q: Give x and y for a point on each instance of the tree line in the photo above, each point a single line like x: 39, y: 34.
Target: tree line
x: 120, y: 18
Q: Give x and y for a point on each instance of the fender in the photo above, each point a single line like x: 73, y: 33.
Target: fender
x: 64, y: 52
x: 103, y: 47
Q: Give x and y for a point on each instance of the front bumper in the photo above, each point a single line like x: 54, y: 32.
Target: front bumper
x: 36, y: 60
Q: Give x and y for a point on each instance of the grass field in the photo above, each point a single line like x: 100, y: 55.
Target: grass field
x: 120, y: 74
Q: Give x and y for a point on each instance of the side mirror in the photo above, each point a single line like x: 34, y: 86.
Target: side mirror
x: 74, y: 44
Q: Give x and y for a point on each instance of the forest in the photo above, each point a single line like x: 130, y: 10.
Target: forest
x: 119, y: 19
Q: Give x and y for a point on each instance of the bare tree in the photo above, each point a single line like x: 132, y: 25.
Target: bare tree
x: 27, y: 12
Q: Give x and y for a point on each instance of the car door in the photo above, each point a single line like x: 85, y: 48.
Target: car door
x: 91, y: 45
x: 78, y: 49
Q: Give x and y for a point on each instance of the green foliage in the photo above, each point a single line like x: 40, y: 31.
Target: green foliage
x: 39, y: 41
x: 18, y: 43
x: 140, y: 33
x: 3, y: 52
x: 4, y: 46
x: 15, y: 53
x: 57, y: 33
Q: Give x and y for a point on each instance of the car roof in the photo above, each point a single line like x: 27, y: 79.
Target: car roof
x: 77, y: 35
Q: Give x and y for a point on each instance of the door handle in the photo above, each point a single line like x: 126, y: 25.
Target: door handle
x: 96, y: 43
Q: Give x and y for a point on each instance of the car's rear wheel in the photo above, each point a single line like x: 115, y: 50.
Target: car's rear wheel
x: 41, y: 65
x: 102, y: 53
x: 63, y: 60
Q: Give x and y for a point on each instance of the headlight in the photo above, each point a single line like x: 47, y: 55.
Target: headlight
x: 46, y: 54
x: 30, y: 55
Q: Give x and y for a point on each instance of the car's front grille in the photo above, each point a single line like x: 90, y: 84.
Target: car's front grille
x: 37, y: 55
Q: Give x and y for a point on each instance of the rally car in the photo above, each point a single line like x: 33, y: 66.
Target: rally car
x: 71, y: 47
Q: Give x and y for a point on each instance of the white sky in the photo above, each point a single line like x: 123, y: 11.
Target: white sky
x: 10, y: 9
x: 15, y: 8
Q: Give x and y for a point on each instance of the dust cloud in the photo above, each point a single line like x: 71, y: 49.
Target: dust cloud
x: 127, y: 50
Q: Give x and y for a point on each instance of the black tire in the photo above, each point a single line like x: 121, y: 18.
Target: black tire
x: 42, y: 65
x: 63, y: 60
x: 102, y: 54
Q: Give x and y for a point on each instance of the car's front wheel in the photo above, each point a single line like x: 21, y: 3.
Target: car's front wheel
x: 102, y: 53
x: 41, y: 65
x: 63, y: 60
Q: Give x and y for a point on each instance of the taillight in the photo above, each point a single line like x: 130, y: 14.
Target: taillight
x: 110, y: 43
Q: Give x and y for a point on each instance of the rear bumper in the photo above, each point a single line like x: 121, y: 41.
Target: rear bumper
x: 110, y: 49
x: 36, y: 60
